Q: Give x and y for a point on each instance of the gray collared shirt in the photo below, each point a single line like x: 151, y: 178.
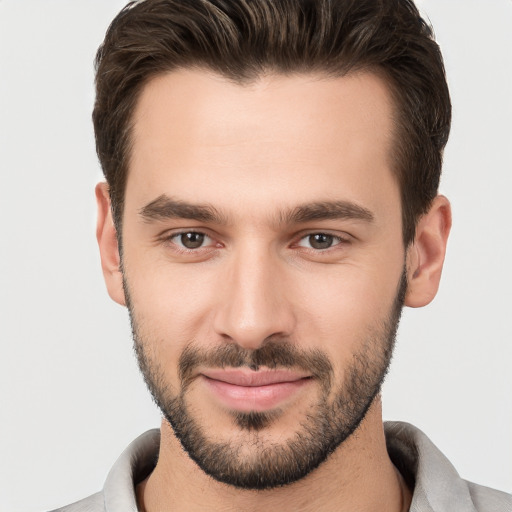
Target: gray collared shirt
x: 437, y: 485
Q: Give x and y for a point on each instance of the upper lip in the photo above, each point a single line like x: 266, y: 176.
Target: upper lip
x: 250, y: 378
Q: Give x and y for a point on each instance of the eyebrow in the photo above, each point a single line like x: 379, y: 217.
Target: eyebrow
x: 325, y: 210
x: 165, y: 207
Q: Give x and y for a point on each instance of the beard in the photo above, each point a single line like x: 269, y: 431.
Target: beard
x: 252, y: 461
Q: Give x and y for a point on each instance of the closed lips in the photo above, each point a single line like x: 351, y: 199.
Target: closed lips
x: 249, y: 378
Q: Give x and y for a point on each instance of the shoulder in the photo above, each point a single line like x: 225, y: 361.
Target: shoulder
x: 118, y: 494
x: 435, y: 483
x: 486, y: 499
x: 94, y: 503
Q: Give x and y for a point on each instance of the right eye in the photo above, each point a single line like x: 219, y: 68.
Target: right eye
x: 190, y: 240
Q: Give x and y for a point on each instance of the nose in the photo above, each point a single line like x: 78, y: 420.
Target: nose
x: 252, y: 305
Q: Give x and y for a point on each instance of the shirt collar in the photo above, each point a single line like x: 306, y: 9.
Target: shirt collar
x: 437, y: 487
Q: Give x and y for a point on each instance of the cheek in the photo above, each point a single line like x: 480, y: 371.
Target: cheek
x: 170, y: 306
x: 346, y: 308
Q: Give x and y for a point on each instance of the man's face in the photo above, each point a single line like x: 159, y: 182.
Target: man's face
x: 263, y: 264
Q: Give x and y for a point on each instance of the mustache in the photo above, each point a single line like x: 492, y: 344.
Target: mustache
x: 273, y: 354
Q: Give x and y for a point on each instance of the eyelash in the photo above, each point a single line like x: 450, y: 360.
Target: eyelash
x: 170, y: 239
x: 336, y: 239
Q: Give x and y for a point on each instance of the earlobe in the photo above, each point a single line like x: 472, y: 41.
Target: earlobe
x: 425, y: 256
x: 106, y: 235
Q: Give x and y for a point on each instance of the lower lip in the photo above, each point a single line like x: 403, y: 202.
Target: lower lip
x: 254, y: 398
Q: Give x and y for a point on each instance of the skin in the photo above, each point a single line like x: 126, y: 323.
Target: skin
x: 255, y: 153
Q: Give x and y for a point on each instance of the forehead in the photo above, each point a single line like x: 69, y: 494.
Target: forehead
x: 293, y: 137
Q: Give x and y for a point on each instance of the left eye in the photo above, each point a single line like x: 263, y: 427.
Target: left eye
x: 319, y: 241
x: 191, y: 239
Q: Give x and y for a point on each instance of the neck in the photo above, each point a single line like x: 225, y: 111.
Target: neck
x: 358, y: 476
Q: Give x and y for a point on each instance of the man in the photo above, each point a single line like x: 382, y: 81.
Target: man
x: 271, y: 204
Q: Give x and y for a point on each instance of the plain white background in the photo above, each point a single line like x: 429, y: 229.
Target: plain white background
x: 71, y: 397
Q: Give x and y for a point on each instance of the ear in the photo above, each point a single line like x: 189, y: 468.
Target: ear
x: 425, y: 256
x: 109, y: 249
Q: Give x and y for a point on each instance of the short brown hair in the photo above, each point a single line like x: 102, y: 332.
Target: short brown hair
x: 242, y: 39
